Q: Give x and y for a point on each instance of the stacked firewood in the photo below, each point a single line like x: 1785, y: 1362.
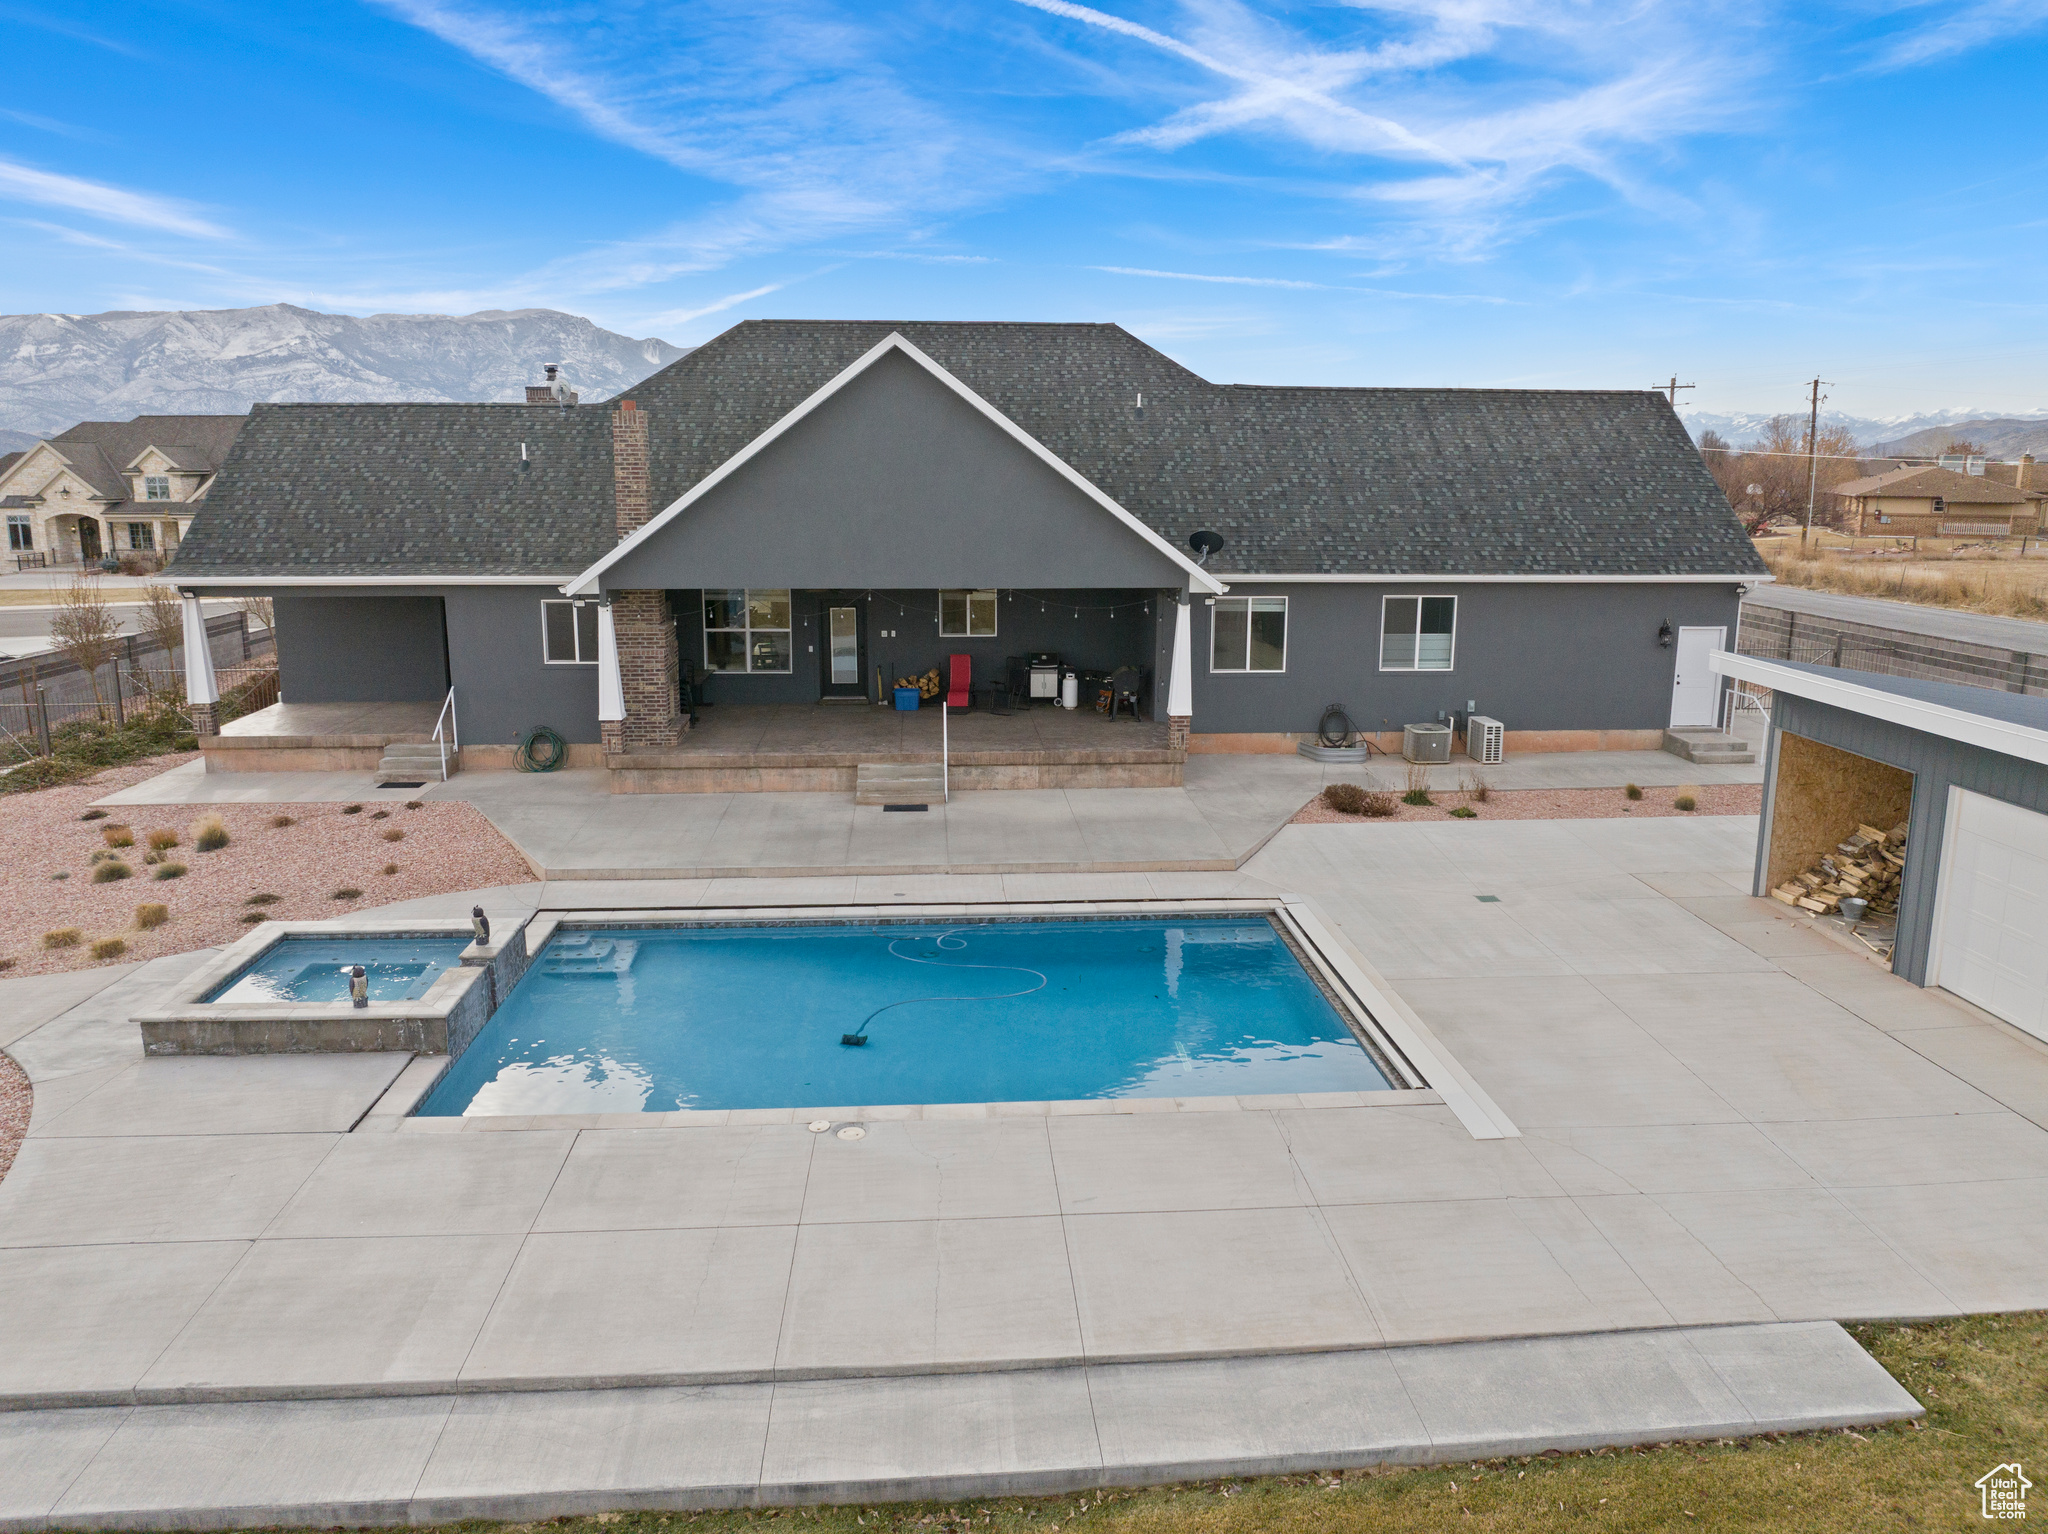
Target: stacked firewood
x: 1866, y: 864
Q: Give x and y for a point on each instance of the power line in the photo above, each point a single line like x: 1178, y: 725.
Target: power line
x: 1673, y: 387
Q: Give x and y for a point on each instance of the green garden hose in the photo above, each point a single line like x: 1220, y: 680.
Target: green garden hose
x: 542, y: 750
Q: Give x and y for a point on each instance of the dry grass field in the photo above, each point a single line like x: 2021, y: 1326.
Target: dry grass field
x: 2004, y: 583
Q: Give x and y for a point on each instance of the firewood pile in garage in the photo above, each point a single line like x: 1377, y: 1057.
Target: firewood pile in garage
x: 1865, y: 866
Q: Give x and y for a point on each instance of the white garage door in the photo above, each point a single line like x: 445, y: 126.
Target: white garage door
x: 1991, y: 918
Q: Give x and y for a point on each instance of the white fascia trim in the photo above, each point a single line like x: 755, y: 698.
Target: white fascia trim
x: 178, y: 579
x: 2007, y: 739
x: 586, y: 583
x: 1444, y: 578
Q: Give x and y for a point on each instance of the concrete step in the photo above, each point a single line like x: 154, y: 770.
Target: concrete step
x: 1710, y: 748
x: 899, y: 783
x: 409, y: 760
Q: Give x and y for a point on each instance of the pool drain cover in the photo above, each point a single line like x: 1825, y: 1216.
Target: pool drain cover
x: 853, y: 1132
x: 819, y: 1126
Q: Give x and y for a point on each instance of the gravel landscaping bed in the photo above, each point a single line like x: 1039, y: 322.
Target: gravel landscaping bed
x: 15, y: 1097
x: 1551, y: 804
x: 46, y: 868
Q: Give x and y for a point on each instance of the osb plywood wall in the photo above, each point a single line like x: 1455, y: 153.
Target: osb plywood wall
x: 1822, y: 792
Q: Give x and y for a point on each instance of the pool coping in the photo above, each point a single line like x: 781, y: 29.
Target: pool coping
x: 1361, y: 989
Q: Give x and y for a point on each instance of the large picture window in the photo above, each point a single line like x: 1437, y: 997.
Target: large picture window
x: 967, y: 614
x: 747, y: 631
x: 142, y: 536
x: 20, y: 533
x: 568, y: 633
x: 1418, y: 633
x: 1248, y: 634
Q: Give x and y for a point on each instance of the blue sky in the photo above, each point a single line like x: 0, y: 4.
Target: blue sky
x: 1439, y: 191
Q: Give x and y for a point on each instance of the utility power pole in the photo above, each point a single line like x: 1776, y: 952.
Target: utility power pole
x: 1812, y: 459
x: 1673, y: 387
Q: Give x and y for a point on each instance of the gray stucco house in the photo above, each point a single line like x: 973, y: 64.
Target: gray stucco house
x: 801, y: 511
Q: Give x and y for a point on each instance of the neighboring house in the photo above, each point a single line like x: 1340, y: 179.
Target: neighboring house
x: 112, y: 487
x: 807, y: 509
x: 1933, y: 502
x: 2027, y: 477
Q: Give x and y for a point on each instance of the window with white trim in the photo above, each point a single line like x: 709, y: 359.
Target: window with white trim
x: 156, y: 487
x: 967, y: 614
x: 1248, y: 634
x: 747, y: 631
x: 568, y: 633
x: 1418, y: 633
x: 142, y: 537
x: 20, y: 534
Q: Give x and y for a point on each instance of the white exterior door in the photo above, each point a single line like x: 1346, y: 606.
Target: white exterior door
x: 1991, y: 911
x: 1694, y: 687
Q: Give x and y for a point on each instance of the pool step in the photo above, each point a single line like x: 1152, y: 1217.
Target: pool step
x: 899, y: 783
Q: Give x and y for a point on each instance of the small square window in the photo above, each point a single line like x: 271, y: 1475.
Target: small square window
x: 156, y: 487
x: 569, y: 633
x: 967, y: 614
x: 1418, y: 633
x: 1248, y: 634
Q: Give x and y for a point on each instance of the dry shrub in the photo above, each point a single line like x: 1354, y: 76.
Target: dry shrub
x: 415, y: 804
x: 6, y: 964
x: 1685, y: 802
x: 381, y: 815
x: 94, y: 815
x: 151, y: 915
x: 263, y: 897
x: 1464, y: 812
x: 394, y: 835
x: 250, y: 918
x: 63, y: 937
x: 209, y: 833
x: 348, y: 893
x: 391, y: 868
x: 107, y: 873
x: 281, y: 821
x: 109, y: 948
x: 162, y: 841
x: 171, y: 871
x: 1418, y: 785
x: 1477, y: 789
x: 1347, y: 798
x: 117, y: 836
x: 351, y: 809
x: 1631, y: 791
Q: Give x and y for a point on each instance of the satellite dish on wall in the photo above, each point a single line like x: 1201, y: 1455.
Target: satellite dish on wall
x: 1205, y: 544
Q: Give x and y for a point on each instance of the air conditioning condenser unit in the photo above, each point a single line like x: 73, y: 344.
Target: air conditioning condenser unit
x: 1483, y: 737
x: 1426, y: 742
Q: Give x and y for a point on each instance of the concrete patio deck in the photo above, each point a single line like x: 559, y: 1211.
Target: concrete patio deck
x: 570, y: 825
x: 1728, y: 1121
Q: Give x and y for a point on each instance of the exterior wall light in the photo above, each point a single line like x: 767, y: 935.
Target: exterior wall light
x: 1664, y: 633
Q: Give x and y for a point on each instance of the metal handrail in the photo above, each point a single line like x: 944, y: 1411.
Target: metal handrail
x: 448, y: 718
x: 945, y: 752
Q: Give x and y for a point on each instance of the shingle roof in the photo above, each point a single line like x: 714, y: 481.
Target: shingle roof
x: 101, y: 450
x: 1907, y: 483
x: 1298, y: 480
x: 407, y: 490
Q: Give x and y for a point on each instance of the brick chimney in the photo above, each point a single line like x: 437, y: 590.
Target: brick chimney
x: 2023, y: 473
x: 553, y: 392
x: 630, y: 497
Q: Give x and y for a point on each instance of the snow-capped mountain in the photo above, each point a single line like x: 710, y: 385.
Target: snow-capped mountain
x: 2004, y: 433
x: 57, y: 369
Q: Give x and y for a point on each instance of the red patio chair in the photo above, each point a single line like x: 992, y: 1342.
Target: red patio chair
x: 960, y: 691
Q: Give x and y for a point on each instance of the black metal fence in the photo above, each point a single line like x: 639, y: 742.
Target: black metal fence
x: 40, y: 694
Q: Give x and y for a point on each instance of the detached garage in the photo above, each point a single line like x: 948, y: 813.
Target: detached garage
x: 1957, y: 779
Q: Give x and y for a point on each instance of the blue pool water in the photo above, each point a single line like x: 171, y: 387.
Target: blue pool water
x: 619, y: 1021
x: 315, y: 969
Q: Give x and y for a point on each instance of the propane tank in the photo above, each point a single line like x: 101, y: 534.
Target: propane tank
x: 1070, y: 691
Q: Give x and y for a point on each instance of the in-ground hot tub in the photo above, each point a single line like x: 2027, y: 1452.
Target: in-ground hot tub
x: 620, y: 1018
x: 283, y: 989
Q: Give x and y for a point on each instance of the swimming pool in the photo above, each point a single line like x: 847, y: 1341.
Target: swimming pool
x: 315, y: 969
x: 650, y: 1019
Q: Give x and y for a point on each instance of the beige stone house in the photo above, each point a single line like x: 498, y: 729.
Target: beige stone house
x: 1931, y: 502
x: 112, y: 487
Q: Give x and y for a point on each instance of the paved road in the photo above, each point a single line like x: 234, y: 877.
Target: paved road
x: 26, y: 630
x: 1907, y: 617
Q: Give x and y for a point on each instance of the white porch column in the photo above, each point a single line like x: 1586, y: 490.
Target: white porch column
x: 202, y: 691
x: 1180, y: 684
x: 611, y: 687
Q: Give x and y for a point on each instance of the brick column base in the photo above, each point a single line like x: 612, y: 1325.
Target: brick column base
x: 649, y: 670
x: 205, y: 718
x: 1177, y: 731
x: 611, y: 736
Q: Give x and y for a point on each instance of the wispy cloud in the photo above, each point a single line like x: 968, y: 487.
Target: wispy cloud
x: 1242, y: 282
x: 116, y: 205
x: 717, y: 306
x: 1954, y: 29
